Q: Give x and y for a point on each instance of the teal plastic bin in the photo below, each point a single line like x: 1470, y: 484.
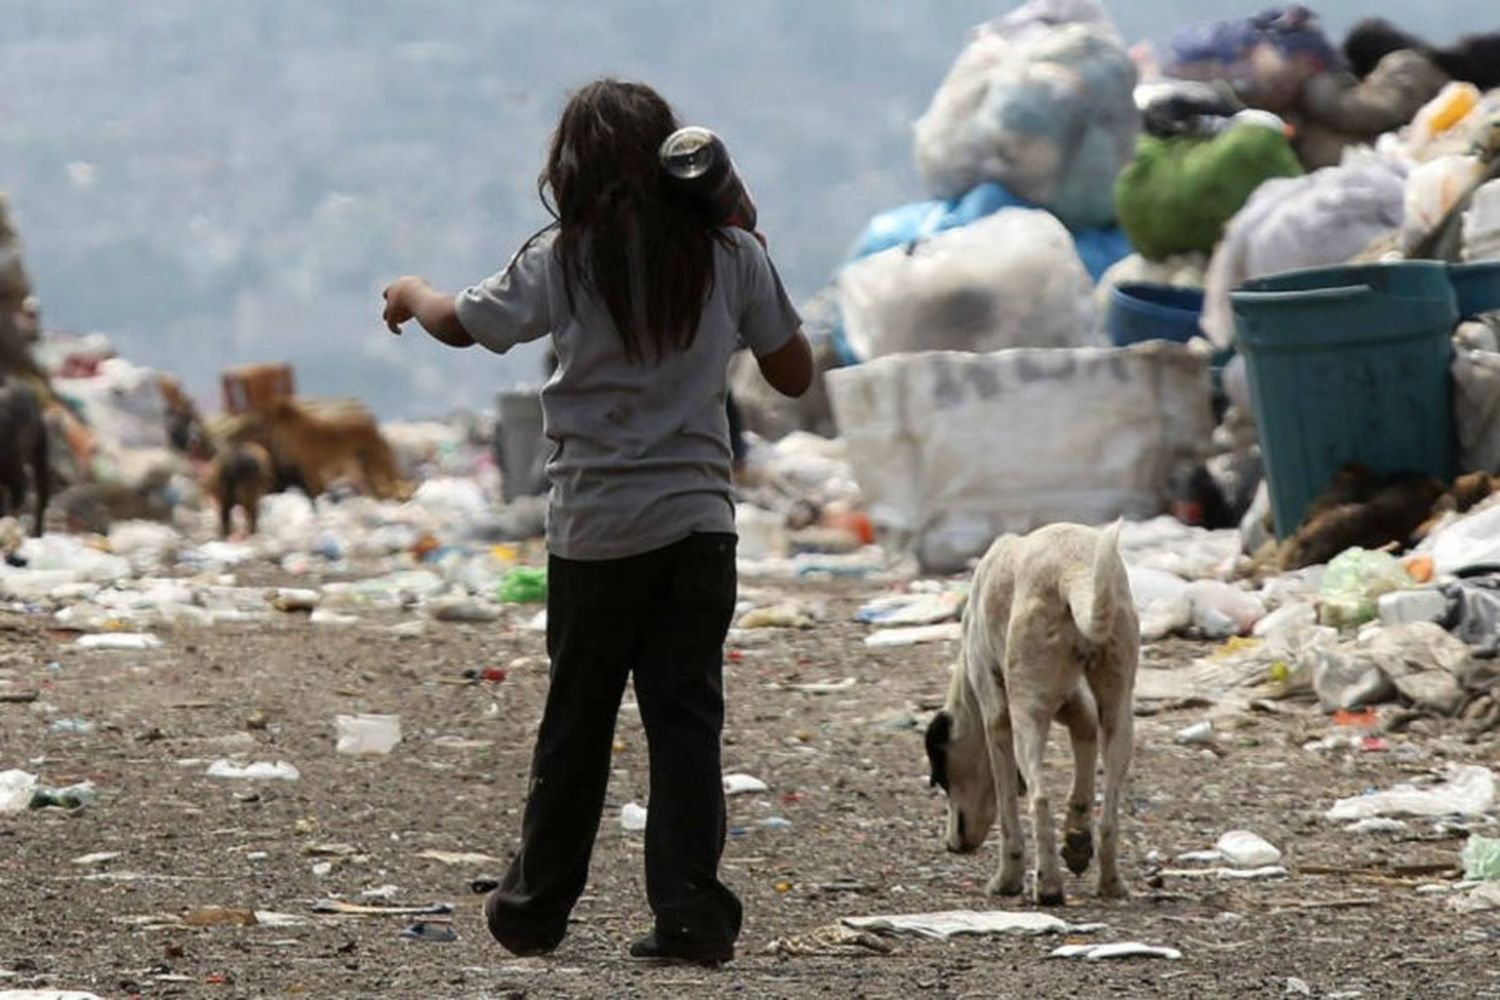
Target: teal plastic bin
x: 1477, y: 286
x: 1348, y: 364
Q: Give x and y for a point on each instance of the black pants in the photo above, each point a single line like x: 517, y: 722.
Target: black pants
x: 660, y: 617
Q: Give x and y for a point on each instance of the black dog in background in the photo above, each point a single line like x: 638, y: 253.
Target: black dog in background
x: 1473, y: 58
x: 23, y: 446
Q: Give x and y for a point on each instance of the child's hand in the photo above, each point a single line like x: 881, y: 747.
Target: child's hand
x: 398, y: 301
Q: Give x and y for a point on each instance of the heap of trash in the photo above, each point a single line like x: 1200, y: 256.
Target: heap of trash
x: 1243, y: 293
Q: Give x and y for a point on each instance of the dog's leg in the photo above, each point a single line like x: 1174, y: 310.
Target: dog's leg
x: 1031, y: 720
x: 1081, y: 717
x: 1117, y: 721
x: 1009, y: 877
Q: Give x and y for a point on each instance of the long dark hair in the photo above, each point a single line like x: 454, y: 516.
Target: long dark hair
x: 621, y: 232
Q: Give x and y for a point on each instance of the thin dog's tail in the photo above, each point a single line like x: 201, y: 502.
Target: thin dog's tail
x: 1091, y: 597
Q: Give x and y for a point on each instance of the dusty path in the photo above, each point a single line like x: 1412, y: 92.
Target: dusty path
x: 846, y: 769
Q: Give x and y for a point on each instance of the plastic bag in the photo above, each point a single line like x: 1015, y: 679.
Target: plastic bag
x: 1041, y: 101
x: 1452, y: 105
x: 1010, y: 280
x: 1482, y: 224
x: 1326, y: 217
x: 523, y: 585
x: 1432, y: 190
x: 1476, y: 409
x: 1100, y: 248
x: 1481, y: 858
x: 1179, y: 194
x: 1353, y: 584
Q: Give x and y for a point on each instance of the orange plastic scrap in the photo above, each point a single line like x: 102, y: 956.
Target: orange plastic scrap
x: 1362, y: 719
x: 1419, y: 568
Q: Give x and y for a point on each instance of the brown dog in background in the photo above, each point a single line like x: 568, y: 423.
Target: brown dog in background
x: 324, y: 442
x: 239, y: 476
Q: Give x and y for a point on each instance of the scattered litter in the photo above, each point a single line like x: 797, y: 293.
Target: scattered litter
x: 774, y: 823
x: 71, y: 727
x: 1243, y: 849
x: 1481, y: 898
x: 633, y: 817
x: 1198, y: 734
x: 1481, y: 858
x: 48, y: 995
x: 946, y: 632
x: 97, y: 858
x: 463, y: 609
x: 743, y: 784
x: 259, y: 771
x: 328, y: 616
x: 777, y: 616
x: 270, y: 918
x: 16, y: 788
x: 119, y: 641
x: 339, y: 906
x: 944, y: 925
x: 824, y: 687
x: 523, y: 585
x: 218, y: 916
x: 294, y: 599
x: 831, y: 941
x: 1297, y: 987
x: 1468, y: 791
x: 69, y: 797
x: 1228, y: 874
x: 367, y: 735
x: 912, y: 609
x: 428, y: 930
x: 1119, y: 949
x: 459, y: 857
x: 1378, y: 824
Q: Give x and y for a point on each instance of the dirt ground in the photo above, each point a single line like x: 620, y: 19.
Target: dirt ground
x: 845, y: 768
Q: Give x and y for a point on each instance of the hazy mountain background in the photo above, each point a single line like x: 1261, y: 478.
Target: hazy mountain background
x: 214, y: 182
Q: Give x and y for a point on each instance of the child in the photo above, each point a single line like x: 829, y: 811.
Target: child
x: 645, y: 298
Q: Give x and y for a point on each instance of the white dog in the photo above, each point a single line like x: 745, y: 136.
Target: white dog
x: 1050, y: 631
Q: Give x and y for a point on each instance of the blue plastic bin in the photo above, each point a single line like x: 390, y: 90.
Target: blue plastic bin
x: 1348, y: 364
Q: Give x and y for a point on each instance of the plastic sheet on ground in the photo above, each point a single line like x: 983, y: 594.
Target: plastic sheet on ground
x: 950, y: 923
x: 1469, y: 790
x: 1165, y: 543
x: 1465, y: 543
x: 1117, y: 949
x: 1012, y: 279
x: 1085, y: 435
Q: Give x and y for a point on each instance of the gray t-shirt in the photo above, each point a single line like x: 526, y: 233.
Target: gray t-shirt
x: 640, y: 450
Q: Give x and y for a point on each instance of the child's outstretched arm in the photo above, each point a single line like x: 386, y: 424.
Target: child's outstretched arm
x: 413, y: 298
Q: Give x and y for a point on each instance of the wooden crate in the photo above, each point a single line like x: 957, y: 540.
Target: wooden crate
x: 254, y: 387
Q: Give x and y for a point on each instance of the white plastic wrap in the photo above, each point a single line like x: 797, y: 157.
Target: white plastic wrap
x: 1482, y: 224
x: 1012, y: 279
x: 1042, y: 101
x: 1431, y: 192
x: 1324, y: 218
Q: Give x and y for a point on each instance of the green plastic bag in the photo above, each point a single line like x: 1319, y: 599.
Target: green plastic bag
x: 1481, y: 857
x: 1353, y: 583
x: 523, y: 585
x: 1178, y: 194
